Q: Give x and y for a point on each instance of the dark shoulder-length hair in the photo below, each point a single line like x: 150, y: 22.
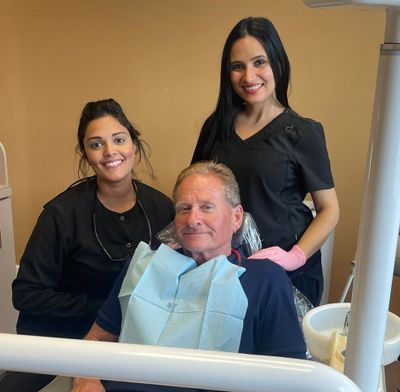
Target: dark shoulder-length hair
x: 220, y: 124
x: 103, y: 108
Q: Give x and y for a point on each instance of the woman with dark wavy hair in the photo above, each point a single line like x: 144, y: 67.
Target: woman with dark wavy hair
x: 276, y: 155
x: 84, y: 235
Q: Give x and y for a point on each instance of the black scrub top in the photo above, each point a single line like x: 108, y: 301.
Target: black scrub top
x: 65, y: 274
x: 275, y: 169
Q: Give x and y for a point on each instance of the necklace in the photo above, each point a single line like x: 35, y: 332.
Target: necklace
x: 97, y: 234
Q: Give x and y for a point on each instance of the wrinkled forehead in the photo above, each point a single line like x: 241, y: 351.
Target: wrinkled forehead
x: 200, y: 187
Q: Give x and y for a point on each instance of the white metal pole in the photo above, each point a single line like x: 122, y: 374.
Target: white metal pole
x: 218, y: 371
x: 379, y: 226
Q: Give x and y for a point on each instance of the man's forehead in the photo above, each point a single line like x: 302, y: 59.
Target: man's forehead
x: 204, y: 187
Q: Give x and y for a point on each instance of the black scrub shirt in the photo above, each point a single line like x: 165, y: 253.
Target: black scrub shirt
x: 275, y: 169
x: 65, y: 275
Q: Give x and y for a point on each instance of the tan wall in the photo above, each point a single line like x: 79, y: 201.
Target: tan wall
x: 160, y: 60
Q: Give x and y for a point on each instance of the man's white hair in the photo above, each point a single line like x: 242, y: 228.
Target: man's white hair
x: 219, y: 170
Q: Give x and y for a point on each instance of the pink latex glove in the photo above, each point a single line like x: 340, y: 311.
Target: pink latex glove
x: 290, y: 261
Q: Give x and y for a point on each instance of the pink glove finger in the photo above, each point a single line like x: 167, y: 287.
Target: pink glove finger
x: 289, y: 261
x: 266, y: 253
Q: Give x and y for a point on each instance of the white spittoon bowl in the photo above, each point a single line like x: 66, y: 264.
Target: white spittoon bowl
x: 320, y: 323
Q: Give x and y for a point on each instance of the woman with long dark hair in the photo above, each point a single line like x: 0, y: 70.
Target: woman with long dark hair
x: 276, y: 155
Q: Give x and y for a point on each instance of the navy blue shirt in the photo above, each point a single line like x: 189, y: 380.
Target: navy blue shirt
x: 270, y: 327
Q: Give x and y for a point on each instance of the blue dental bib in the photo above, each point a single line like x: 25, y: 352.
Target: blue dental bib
x: 167, y: 300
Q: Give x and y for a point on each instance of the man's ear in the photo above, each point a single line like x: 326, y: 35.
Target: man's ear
x: 237, y: 218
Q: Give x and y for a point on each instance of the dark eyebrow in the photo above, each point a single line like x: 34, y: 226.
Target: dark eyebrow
x: 252, y: 59
x: 260, y: 56
x: 119, y: 132
x: 114, y: 134
x: 94, y: 138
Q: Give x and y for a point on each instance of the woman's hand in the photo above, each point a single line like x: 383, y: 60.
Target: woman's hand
x: 289, y: 261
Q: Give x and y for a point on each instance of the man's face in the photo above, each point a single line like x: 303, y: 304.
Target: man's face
x: 204, y: 220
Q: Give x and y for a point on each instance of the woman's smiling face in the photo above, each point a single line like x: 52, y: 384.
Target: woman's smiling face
x: 109, y: 150
x: 251, y: 73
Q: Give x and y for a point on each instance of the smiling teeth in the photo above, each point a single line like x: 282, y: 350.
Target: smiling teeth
x: 253, y: 87
x: 113, y: 163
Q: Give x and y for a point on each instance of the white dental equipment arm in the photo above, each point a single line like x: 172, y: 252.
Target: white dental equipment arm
x: 380, y: 217
x: 218, y: 371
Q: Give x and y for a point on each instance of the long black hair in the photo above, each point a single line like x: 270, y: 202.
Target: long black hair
x: 220, y: 124
x: 103, y: 108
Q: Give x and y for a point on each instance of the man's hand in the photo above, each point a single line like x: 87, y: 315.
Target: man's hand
x: 87, y: 385
x: 98, y: 334
x: 290, y: 261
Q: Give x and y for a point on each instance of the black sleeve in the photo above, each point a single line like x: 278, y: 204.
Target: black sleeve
x: 36, y: 290
x: 312, y: 156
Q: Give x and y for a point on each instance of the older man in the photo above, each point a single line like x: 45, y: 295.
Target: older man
x: 205, y: 296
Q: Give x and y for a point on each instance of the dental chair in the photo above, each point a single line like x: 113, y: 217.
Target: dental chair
x: 247, y: 238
